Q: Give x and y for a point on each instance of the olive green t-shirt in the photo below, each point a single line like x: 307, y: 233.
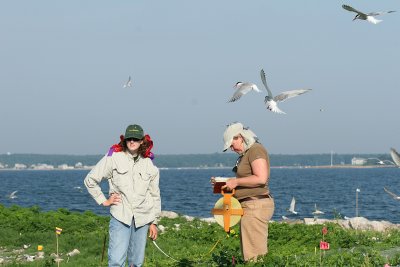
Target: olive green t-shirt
x: 256, y: 151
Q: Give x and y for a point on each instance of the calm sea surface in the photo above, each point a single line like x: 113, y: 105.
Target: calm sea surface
x: 188, y: 191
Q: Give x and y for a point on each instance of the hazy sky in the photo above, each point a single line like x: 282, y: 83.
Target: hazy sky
x: 63, y: 64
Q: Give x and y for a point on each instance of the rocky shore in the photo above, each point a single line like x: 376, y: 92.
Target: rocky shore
x: 356, y: 223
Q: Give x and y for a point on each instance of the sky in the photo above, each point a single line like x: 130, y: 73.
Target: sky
x: 63, y: 64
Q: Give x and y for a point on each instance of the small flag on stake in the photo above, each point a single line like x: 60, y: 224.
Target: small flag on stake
x: 58, y: 230
x: 323, y: 245
x: 324, y: 230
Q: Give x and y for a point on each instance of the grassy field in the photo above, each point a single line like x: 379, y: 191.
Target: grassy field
x: 194, y: 243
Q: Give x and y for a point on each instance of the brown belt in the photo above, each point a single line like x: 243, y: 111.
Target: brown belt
x: 254, y: 198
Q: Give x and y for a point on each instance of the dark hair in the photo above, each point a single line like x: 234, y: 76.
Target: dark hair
x: 144, y: 148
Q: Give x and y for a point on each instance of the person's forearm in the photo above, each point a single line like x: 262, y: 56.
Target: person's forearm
x: 251, y: 181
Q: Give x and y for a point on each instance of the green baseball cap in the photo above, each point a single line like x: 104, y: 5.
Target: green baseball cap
x: 134, y: 131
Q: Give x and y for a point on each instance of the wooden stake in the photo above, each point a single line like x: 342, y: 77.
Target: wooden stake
x: 104, y: 248
x: 58, y: 256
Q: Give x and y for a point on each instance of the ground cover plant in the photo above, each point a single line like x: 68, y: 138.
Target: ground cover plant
x: 186, y: 243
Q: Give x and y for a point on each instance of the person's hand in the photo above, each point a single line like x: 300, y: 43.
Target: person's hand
x: 230, y: 184
x: 114, y: 199
x: 153, y: 231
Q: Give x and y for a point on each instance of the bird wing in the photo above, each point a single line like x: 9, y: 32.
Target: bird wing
x: 391, y: 193
x: 289, y: 94
x: 292, y: 204
x: 349, y: 8
x: 380, y: 13
x: 13, y: 193
x: 388, y: 161
x: 242, y: 90
x: 264, y: 81
x: 395, y: 156
x: 128, y: 83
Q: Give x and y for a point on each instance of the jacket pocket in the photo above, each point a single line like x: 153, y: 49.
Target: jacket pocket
x: 120, y: 177
x: 145, y: 176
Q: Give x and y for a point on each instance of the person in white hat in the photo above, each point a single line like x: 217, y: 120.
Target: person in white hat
x: 251, y: 189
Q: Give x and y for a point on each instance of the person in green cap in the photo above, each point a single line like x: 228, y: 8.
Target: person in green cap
x: 134, y: 196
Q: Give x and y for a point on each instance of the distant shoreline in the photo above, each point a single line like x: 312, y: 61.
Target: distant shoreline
x: 205, y: 168
x: 336, y: 167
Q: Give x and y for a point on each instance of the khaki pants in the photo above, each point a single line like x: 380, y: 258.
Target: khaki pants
x: 254, y: 227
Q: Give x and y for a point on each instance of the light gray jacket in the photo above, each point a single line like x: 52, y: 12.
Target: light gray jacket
x: 136, y: 181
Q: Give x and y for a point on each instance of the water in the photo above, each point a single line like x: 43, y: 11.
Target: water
x: 188, y: 191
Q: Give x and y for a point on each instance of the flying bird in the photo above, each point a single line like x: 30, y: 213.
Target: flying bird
x: 128, y: 83
x: 378, y: 161
x: 13, y: 195
x: 272, y: 102
x: 292, y: 205
x: 242, y: 89
x: 317, y: 211
x: 395, y: 156
x: 370, y: 17
x: 393, y: 195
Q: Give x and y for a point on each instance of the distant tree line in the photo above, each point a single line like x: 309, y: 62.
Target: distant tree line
x: 191, y: 160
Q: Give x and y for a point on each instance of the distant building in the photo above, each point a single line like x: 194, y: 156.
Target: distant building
x: 19, y: 166
x: 358, y: 161
x: 65, y: 167
x: 42, y: 166
x: 2, y: 166
x: 79, y: 165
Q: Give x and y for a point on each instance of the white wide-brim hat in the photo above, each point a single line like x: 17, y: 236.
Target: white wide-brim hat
x: 230, y: 132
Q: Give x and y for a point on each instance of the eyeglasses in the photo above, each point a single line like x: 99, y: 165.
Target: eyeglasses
x: 131, y: 140
x: 237, y: 163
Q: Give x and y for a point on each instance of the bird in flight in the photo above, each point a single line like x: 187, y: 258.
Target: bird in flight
x: 393, y: 195
x: 242, y: 89
x: 395, y: 156
x: 128, y: 83
x: 272, y: 101
x: 292, y: 205
x: 370, y: 17
x: 317, y: 211
x: 13, y: 195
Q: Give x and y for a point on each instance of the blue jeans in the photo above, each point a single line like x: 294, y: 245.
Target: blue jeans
x: 126, y: 242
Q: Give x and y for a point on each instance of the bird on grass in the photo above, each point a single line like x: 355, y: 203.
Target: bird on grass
x: 292, y: 206
x: 242, y: 89
x: 393, y: 195
x: 128, y: 83
x: 395, y: 156
x: 272, y: 101
x: 370, y: 17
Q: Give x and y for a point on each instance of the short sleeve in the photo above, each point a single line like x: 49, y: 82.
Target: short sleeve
x: 258, y: 152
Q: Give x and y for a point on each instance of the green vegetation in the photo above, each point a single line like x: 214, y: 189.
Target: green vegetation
x: 195, y: 243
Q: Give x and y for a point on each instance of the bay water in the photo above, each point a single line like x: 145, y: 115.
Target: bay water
x: 189, y: 192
